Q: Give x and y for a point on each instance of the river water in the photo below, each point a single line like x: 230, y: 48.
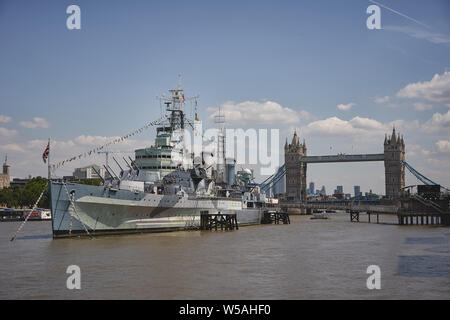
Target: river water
x: 308, y: 259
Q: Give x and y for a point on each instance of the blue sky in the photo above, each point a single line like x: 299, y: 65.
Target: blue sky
x: 307, y: 56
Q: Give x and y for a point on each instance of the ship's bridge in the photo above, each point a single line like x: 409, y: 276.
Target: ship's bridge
x: 165, y: 156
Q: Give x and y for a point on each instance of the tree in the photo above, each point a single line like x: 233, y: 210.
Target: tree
x: 14, y: 197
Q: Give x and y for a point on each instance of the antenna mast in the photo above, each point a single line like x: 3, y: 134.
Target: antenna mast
x: 219, y: 119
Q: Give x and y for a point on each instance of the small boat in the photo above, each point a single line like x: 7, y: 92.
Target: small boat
x: 38, y: 214
x: 45, y: 214
x: 319, y: 215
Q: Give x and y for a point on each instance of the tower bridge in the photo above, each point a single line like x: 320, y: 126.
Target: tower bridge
x: 296, y: 160
x: 295, y: 169
x: 406, y: 208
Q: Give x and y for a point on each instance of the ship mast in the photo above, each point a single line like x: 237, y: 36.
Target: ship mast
x: 219, y: 120
x: 174, y: 105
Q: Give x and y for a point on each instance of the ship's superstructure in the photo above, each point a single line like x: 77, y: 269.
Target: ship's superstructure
x: 169, y: 152
x: 164, y: 188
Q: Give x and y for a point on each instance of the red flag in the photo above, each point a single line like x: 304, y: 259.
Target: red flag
x: 46, y: 152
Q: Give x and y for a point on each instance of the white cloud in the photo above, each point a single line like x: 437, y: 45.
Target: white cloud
x: 93, y: 140
x: 305, y: 115
x: 346, y: 107
x: 330, y: 126
x: 367, y: 124
x: 11, y: 147
x: 5, y: 119
x: 337, y: 127
x: 253, y: 112
x: 435, y: 90
x: 413, y: 150
x: 36, y: 123
x: 358, y: 128
x: 439, y: 165
x: 405, y: 125
x: 439, y: 122
x: 382, y: 99
x: 61, y: 150
x: 41, y: 144
x: 443, y: 146
x: 422, y: 106
x: 7, y: 133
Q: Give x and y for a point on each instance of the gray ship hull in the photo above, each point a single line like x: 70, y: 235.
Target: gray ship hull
x: 101, y: 210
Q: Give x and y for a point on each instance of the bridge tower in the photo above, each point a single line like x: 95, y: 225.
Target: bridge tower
x: 394, y: 155
x: 295, y: 170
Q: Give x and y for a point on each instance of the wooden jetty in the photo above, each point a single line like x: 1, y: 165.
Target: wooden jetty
x: 354, y: 216
x: 275, y: 216
x: 216, y: 221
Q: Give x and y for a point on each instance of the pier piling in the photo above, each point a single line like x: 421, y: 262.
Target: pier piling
x: 224, y: 221
x: 275, y: 217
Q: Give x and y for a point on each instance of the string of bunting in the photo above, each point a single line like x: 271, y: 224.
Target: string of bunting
x: 100, y: 148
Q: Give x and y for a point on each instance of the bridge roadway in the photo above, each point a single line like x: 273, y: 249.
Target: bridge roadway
x: 343, y: 158
x: 359, y: 206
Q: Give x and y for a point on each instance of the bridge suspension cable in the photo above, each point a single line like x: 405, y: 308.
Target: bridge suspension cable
x: 273, y: 179
x: 268, y: 178
x: 420, y: 176
x: 279, y: 177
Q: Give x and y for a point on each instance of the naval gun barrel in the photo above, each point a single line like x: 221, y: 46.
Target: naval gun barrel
x: 121, y: 170
x: 98, y: 173
x: 129, y: 166
x: 117, y: 177
x: 109, y: 172
x: 134, y: 163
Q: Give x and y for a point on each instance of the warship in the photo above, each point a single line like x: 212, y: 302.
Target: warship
x: 164, y: 188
